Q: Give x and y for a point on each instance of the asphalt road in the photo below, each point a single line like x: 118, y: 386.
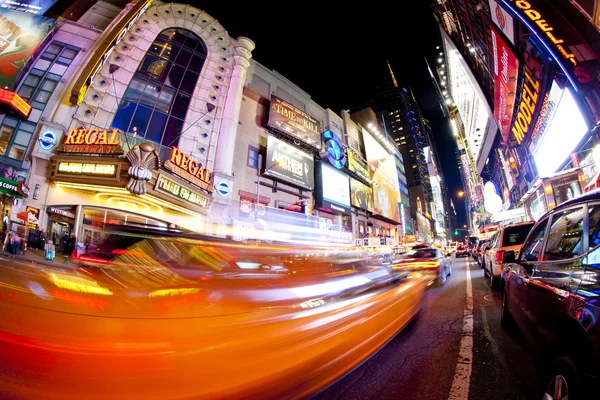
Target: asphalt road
x: 421, y: 361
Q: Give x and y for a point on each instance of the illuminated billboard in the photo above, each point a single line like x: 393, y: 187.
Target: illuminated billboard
x: 28, y: 6
x: 289, y: 164
x: 382, y: 169
x: 566, y: 129
x: 289, y: 119
x: 506, y: 72
x: 475, y: 114
x: 20, y: 35
x: 503, y: 20
x: 361, y: 195
x: 333, y: 192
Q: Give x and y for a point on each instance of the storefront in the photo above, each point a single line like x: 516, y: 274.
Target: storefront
x: 96, y: 187
x: 550, y: 192
x: 10, y: 193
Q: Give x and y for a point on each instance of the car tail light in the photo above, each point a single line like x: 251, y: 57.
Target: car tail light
x: 499, y: 256
x: 94, y: 260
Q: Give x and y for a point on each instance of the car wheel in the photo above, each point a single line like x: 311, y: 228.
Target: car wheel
x: 442, y: 278
x: 493, y: 280
x: 563, y: 382
x: 506, y: 319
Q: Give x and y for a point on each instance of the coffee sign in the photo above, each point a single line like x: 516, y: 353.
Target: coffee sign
x: 91, y: 141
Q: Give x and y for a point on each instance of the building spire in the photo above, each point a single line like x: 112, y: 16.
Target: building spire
x: 392, y: 73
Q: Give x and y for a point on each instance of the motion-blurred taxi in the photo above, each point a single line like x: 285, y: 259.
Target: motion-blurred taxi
x: 429, y: 261
x: 181, y: 317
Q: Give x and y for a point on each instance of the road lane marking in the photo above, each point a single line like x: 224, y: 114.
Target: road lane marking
x: 464, y: 364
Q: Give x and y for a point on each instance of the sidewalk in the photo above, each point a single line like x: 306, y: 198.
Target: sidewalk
x: 38, y: 257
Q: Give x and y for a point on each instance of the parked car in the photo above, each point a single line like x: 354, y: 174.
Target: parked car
x: 476, y: 250
x: 482, y: 252
x: 428, y: 260
x: 550, y: 291
x: 507, y: 238
x: 462, y: 250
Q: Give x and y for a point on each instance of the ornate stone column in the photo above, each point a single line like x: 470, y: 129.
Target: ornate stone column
x: 231, y: 111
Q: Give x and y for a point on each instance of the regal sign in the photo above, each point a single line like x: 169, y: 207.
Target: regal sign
x: 91, y: 141
x: 185, y: 167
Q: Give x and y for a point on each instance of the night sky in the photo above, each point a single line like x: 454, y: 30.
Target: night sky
x: 338, y: 55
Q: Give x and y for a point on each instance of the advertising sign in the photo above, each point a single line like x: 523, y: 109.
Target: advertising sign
x: 290, y: 164
x: 168, y: 186
x: 289, y: 119
x: 20, y: 35
x: 358, y: 165
x: 333, y: 149
x: 566, y: 189
x: 506, y: 71
x: 361, y: 195
x: 13, y: 173
x: 535, y: 73
x: 15, y: 101
x: 382, y: 169
x: 91, y: 169
x: 33, y: 216
x: 335, y: 190
x: 13, y: 188
x: 352, y: 132
x: 185, y: 167
x: 27, y: 6
x: 91, y: 141
x: 568, y: 47
x: 547, y: 110
x: 502, y: 20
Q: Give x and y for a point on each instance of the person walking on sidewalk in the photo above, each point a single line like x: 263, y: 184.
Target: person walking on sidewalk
x: 15, y: 241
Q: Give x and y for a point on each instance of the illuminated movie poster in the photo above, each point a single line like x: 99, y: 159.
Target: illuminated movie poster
x: 289, y: 119
x: 361, y: 195
x: 20, y: 35
x: 382, y: 169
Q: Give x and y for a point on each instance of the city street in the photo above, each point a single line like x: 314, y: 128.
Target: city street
x: 421, y: 361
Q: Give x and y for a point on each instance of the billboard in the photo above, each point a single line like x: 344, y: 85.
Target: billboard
x: 503, y: 20
x: 475, y: 114
x: 289, y: 119
x: 358, y: 165
x: 334, y: 190
x: 506, y: 72
x: 20, y: 35
x: 361, y: 195
x: 382, y: 170
x: 289, y: 164
x: 29, y: 6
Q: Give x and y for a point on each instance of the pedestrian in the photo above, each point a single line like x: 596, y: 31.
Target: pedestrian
x: 5, y: 221
x: 15, y: 241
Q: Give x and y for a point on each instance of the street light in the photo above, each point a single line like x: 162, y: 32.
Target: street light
x: 461, y: 193
x: 258, y: 175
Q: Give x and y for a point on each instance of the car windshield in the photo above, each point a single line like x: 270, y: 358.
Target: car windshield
x: 515, y: 235
x: 421, y: 253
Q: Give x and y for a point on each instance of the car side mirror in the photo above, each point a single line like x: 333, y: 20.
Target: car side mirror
x: 508, y: 257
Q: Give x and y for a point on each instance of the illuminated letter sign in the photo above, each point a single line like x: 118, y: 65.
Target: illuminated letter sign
x: 557, y: 33
x: 95, y: 64
x: 527, y: 106
x: 15, y: 101
x: 175, y: 189
x: 87, y: 169
x: 182, y: 165
x: 91, y: 141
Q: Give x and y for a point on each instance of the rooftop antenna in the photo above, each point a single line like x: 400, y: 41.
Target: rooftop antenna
x: 392, y: 73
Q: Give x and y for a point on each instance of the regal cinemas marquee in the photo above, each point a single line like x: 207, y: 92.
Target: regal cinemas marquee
x: 91, y: 166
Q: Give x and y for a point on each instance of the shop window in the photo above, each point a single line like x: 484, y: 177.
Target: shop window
x: 158, y: 97
x: 15, y: 136
x: 253, y: 157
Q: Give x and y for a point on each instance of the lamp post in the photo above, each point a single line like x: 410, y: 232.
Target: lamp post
x: 258, y: 175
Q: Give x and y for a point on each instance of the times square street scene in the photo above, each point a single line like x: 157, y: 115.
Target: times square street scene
x: 300, y: 201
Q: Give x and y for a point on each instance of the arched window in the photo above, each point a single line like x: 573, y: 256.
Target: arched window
x: 157, y: 99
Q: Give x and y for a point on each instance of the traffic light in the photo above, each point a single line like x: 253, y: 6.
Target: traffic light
x: 455, y: 233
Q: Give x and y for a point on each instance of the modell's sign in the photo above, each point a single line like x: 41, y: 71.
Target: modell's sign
x: 184, y: 166
x: 91, y: 141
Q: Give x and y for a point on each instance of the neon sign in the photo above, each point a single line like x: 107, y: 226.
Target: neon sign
x: 87, y: 169
x: 184, y: 166
x: 15, y: 101
x: 181, y: 192
x: 91, y: 141
x: 527, y: 105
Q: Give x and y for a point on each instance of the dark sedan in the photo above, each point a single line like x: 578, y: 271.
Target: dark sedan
x: 551, y: 294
